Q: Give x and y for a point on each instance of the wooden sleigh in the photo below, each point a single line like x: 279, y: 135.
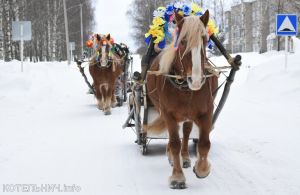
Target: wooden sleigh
x: 141, y: 113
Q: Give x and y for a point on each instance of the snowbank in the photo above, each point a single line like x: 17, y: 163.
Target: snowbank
x: 52, y: 133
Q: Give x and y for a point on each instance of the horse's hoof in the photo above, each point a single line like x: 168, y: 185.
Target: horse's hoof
x: 177, y: 185
x: 186, y: 163
x: 108, y: 112
x: 114, y: 104
x: 203, y: 174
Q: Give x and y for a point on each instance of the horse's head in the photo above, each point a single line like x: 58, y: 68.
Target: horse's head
x: 105, y: 44
x: 190, y: 55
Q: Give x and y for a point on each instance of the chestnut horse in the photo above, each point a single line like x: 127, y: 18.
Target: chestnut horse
x: 104, y: 71
x: 192, y: 103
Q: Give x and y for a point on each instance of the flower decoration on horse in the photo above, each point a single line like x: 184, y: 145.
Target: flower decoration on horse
x: 95, y: 39
x: 94, y: 43
x: 163, y: 16
x: 156, y: 31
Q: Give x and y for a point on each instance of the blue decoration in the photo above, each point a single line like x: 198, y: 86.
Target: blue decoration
x: 162, y: 44
x: 186, y: 10
x: 148, y: 39
x: 210, y: 44
x: 169, y: 9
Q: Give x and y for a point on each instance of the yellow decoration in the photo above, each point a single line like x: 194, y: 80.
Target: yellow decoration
x: 156, y: 33
x: 181, y: 13
x: 212, y: 29
x: 161, y: 8
x: 158, y: 21
x: 195, y: 9
x: 157, y: 29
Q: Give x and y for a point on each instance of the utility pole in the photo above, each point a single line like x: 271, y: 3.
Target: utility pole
x: 22, y: 43
x: 81, y: 30
x: 67, y: 32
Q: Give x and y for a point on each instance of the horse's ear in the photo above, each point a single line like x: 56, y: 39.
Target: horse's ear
x: 98, y: 37
x: 108, y: 37
x: 205, y: 18
x: 179, y: 20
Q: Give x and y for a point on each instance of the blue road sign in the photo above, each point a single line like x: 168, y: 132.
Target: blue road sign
x: 286, y: 25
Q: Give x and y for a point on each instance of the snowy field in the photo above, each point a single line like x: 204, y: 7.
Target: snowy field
x: 52, y: 133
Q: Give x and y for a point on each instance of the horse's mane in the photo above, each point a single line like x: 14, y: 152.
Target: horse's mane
x: 192, y: 31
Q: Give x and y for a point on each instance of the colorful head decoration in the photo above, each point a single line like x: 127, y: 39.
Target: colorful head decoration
x: 196, y: 10
x: 89, y: 43
x: 169, y: 14
x: 159, y: 29
x: 178, y: 6
x: 159, y: 12
x: 182, y: 9
x: 95, y: 39
x: 212, y: 28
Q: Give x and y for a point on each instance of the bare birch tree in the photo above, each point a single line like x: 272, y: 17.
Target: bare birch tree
x: 47, y: 27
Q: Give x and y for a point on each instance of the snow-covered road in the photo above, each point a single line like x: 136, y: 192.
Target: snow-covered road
x: 52, y: 133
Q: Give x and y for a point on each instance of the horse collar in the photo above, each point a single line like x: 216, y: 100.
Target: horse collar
x: 109, y: 63
x: 180, y: 84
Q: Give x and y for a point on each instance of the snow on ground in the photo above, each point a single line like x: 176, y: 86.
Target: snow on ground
x: 52, y: 133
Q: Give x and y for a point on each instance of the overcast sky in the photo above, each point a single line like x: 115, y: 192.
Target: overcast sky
x: 111, y: 18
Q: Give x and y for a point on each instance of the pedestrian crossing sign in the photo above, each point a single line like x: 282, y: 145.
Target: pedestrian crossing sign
x: 286, y: 25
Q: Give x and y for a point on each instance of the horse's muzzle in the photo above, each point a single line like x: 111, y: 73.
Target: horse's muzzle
x: 195, y: 85
x: 104, y: 63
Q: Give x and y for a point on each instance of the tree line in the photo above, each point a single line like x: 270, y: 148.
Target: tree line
x: 140, y: 15
x: 48, y: 30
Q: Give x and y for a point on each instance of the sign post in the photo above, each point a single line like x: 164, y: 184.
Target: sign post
x: 1, y: 46
x: 21, y: 48
x: 286, y: 25
x: 21, y: 31
x: 72, y: 48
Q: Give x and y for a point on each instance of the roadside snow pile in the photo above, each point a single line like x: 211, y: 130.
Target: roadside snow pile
x: 37, y: 80
x: 260, y: 124
x: 272, y: 81
x: 51, y: 132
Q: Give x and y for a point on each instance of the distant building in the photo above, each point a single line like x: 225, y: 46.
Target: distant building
x: 250, y: 26
x: 241, y: 28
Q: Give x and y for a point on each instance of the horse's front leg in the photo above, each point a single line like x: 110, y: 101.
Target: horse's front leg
x: 99, y: 96
x: 202, y: 165
x: 177, y: 179
x: 187, y: 128
x: 113, y: 97
x: 186, y: 161
x: 108, y: 97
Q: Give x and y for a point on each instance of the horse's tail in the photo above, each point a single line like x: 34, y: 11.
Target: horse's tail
x: 158, y: 126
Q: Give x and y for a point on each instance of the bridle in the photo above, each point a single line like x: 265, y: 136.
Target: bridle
x: 104, y: 63
x: 182, y: 79
x: 110, y: 60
